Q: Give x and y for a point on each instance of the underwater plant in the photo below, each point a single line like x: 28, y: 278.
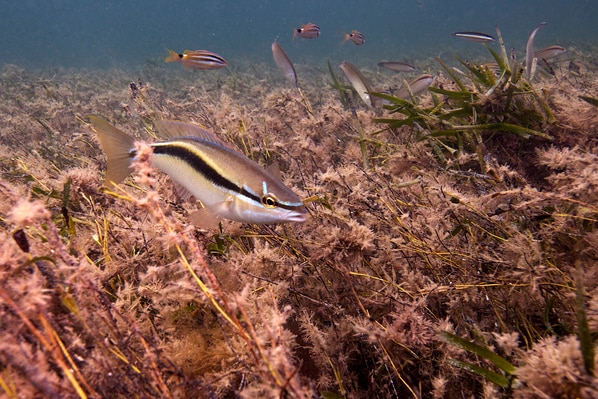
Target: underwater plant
x: 484, y: 100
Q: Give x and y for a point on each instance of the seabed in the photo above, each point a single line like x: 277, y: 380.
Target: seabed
x: 411, y: 242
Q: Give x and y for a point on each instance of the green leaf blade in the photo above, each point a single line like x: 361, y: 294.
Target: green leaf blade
x: 481, y: 351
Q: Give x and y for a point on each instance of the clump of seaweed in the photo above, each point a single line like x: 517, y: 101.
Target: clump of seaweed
x: 482, y: 102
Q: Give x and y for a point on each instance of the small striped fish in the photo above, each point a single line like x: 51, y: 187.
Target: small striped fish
x: 197, y: 59
x: 475, y: 37
x: 307, y: 31
x: 356, y: 37
x: 549, y: 52
x: 396, y: 66
x: 229, y: 185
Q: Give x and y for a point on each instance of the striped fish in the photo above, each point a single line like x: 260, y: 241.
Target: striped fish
x: 229, y: 185
x: 396, y: 66
x: 549, y: 52
x: 356, y: 37
x: 307, y: 31
x: 475, y: 37
x: 197, y: 59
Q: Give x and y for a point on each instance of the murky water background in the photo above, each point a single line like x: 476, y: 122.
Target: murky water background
x: 66, y: 33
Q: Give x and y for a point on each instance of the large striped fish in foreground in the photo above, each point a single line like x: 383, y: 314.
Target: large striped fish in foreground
x: 229, y: 185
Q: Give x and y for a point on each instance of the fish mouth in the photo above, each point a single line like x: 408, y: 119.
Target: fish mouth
x: 297, y: 216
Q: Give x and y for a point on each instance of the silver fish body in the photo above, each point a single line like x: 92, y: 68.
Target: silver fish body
x: 549, y: 52
x: 530, y: 54
x: 416, y: 86
x: 229, y: 185
x: 396, y: 66
x: 284, y: 63
x: 359, y: 82
x: 477, y: 37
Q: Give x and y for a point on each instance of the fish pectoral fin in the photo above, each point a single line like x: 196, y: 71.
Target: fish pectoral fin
x: 205, y: 219
x: 208, y: 218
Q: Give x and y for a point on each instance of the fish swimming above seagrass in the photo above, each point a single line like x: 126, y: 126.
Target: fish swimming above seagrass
x: 396, y: 66
x: 356, y: 37
x: 307, y: 31
x: 361, y: 85
x: 530, y: 54
x: 228, y: 184
x: 284, y: 63
x: 478, y: 37
x: 197, y: 59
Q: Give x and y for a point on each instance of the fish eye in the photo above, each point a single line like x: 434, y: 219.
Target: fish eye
x: 269, y: 200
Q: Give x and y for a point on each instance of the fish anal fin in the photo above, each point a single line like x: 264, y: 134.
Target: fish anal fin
x: 204, y: 219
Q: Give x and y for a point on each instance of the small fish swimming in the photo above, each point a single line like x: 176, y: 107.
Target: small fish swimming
x: 307, y: 31
x: 197, y: 59
x: 356, y: 37
x: 416, y: 86
x: 284, y: 63
x: 475, y: 37
x: 549, y: 52
x: 229, y: 185
x: 359, y: 82
x: 396, y: 66
x: 530, y: 54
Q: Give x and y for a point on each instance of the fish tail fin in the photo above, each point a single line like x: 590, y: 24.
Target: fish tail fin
x: 117, y: 146
x: 172, y: 56
x: 346, y: 37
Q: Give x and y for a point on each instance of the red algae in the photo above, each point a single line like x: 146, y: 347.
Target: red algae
x: 119, y: 295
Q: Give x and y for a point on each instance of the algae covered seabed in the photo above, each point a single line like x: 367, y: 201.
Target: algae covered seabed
x: 491, y: 238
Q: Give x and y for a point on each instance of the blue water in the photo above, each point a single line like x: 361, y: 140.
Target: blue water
x: 102, y: 34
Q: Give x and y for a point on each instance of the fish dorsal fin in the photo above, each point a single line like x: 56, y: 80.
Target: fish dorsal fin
x: 177, y: 129
x: 274, y: 170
